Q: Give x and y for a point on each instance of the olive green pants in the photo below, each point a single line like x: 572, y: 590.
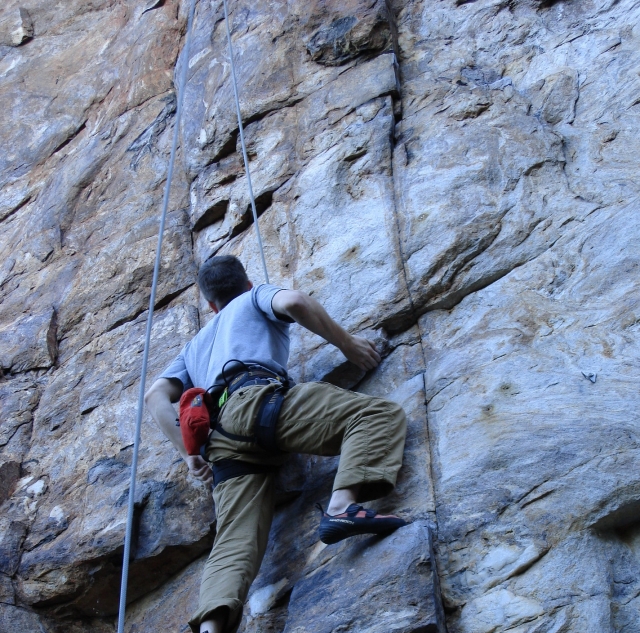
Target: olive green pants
x: 316, y: 418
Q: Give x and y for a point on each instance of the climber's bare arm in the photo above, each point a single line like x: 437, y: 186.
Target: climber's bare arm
x: 306, y: 311
x: 159, y: 399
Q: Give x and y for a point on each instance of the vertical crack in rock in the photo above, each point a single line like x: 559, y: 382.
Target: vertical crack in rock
x: 440, y: 616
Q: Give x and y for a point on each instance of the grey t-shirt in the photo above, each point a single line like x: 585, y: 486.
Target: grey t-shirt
x: 246, y: 329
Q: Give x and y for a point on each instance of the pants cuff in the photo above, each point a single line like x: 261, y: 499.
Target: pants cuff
x: 205, y: 612
x: 374, y: 482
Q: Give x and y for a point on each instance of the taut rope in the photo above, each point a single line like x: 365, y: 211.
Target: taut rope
x: 244, y: 148
x: 152, y: 300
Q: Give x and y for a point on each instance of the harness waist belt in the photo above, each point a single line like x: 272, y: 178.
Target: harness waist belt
x: 255, y: 377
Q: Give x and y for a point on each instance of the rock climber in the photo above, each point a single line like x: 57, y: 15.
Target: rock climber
x: 242, y: 353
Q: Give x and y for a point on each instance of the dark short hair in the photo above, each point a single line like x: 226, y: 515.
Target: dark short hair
x: 222, y: 279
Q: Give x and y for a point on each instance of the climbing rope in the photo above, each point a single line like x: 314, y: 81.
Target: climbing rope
x: 154, y: 285
x: 152, y: 300
x: 244, y: 148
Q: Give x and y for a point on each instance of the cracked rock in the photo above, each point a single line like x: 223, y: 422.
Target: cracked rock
x: 16, y: 27
x: 29, y: 342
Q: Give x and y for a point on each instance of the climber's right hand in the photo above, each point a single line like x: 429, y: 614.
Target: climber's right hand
x: 199, y: 468
x: 361, y: 352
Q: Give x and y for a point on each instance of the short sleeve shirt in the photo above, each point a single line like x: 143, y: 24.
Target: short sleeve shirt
x: 246, y: 330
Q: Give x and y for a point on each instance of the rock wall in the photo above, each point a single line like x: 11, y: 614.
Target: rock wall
x: 456, y: 180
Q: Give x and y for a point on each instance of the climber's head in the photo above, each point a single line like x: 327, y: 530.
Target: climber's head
x: 222, y: 279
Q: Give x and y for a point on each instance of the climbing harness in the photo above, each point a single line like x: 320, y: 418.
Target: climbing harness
x: 200, y: 409
x: 199, y: 413
x: 154, y: 284
x: 264, y: 428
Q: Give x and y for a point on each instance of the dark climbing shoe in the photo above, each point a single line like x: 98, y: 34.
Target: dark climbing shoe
x: 356, y: 520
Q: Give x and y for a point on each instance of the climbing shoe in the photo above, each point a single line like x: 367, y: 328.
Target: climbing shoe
x: 355, y: 520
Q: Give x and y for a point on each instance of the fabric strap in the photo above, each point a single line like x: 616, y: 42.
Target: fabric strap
x: 225, y: 469
x: 265, y: 426
x: 267, y: 419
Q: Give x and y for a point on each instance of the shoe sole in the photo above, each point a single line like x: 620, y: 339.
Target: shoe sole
x: 337, y: 531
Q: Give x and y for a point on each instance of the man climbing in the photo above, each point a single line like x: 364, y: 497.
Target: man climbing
x: 246, y: 347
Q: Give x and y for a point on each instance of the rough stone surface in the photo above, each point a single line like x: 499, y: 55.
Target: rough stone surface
x: 389, y: 577
x: 455, y: 180
x: 16, y: 27
x: 29, y: 343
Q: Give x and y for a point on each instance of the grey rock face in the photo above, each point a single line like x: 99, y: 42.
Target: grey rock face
x: 16, y: 27
x: 368, y: 30
x: 395, y: 574
x: 29, y: 343
x: 454, y: 180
